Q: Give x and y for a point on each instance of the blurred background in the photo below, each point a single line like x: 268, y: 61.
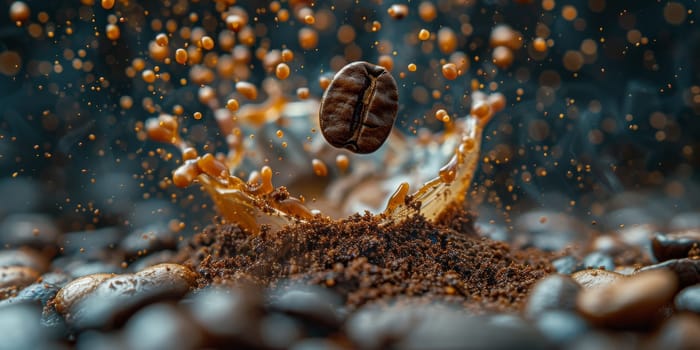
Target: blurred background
x: 605, y: 117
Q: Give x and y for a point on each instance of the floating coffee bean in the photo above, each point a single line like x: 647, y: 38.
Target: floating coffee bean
x: 359, y: 107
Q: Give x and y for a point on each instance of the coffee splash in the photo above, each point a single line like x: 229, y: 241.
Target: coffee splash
x: 256, y: 202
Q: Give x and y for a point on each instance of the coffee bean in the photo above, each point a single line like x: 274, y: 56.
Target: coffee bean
x: 78, y: 289
x: 631, y: 302
x: 561, y: 327
x: 32, y: 230
x: 161, y: 326
x: 20, y: 328
x: 566, y: 265
x: 230, y: 317
x: 593, y: 278
x: 675, y: 245
x: 359, y: 107
x: 687, y: 270
x: 14, y: 278
x: 555, y: 292
x: 682, y: 331
x: 599, y: 260
x: 317, y: 305
x: 24, y: 257
x: 115, y: 299
x: 689, y: 299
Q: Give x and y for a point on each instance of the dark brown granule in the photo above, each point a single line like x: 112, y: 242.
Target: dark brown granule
x: 364, y: 262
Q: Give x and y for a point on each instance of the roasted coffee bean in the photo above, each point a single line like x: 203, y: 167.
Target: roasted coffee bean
x: 566, y: 265
x: 593, y: 278
x: 77, y: 290
x: 32, y: 230
x: 689, y: 299
x: 24, y: 257
x: 675, y: 245
x: 597, y: 260
x: 20, y: 328
x: 314, y: 304
x: 359, y: 107
x: 561, y: 327
x: 687, y: 270
x: 630, y: 302
x: 40, y: 292
x: 555, y: 292
x: 115, y: 299
x: 229, y: 316
x: 148, y: 239
x: 14, y: 278
x: 682, y: 331
x: 161, y: 326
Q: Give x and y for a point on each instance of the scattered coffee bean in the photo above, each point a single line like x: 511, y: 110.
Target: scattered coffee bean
x: 24, y: 257
x: 31, y: 230
x: 317, y: 305
x: 566, y: 265
x: 359, y: 107
x: 77, y: 290
x: 599, y: 260
x: 20, y: 328
x: 682, y: 331
x: 280, y: 331
x: 14, y: 278
x: 689, y: 299
x: 687, y: 270
x: 161, y: 326
x: 555, y: 292
x: 229, y: 316
x: 630, y: 302
x: 561, y: 327
x: 593, y: 278
x: 675, y: 245
x: 445, y: 329
x: 148, y: 239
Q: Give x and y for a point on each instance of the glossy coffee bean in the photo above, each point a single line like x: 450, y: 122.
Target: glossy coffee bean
x: 689, y: 299
x: 687, y: 270
x: 359, y: 107
x: 555, y: 292
x: 14, y: 278
x: 593, y: 278
x: 630, y: 302
x: 674, y: 245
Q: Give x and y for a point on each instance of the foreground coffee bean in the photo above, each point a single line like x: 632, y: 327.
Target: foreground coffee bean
x: 555, y: 292
x: 317, y: 305
x: 113, y: 300
x: 688, y: 299
x: 675, y: 245
x: 229, y: 316
x: 161, y: 326
x: 687, y: 270
x: 14, y: 278
x: 630, y: 302
x: 682, y: 331
x: 359, y: 107
x: 595, y: 278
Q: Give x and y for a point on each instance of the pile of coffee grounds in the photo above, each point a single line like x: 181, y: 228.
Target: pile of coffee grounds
x: 365, y: 262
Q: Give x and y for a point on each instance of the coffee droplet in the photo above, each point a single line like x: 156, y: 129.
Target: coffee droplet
x: 359, y: 107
